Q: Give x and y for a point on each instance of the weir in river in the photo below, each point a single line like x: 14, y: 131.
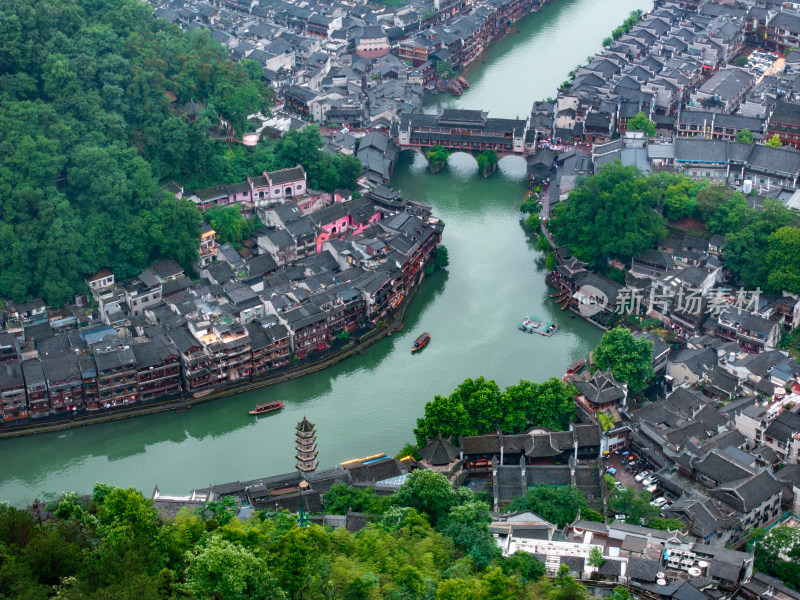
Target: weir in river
x: 369, y: 404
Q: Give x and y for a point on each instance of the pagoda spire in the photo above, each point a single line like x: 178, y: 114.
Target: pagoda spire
x: 306, y: 438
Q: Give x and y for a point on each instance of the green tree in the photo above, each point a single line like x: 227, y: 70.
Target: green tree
x: 588, y: 514
x: 606, y: 422
x: 230, y: 226
x: 533, y: 223
x: 550, y: 404
x: 640, y: 122
x: 783, y: 258
x: 444, y: 69
x: 777, y: 553
x: 595, y: 558
x: 666, y: 524
x: 745, y: 136
x: 774, y: 142
x: 442, y: 257
x: 426, y: 492
x: 557, y: 504
x: 437, y: 155
x: 524, y: 567
x: 550, y: 261
x: 620, y: 593
x: 498, y: 586
x: 611, y: 215
x: 222, y: 570
x: 300, y: 552
x: 487, y: 159
x: 630, y: 359
x: 634, y: 505
x: 341, y: 499
x: 477, y: 407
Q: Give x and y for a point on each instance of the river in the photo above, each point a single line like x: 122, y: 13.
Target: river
x: 369, y: 404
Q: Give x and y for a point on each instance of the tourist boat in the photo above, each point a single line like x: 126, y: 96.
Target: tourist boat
x: 260, y: 409
x: 421, y: 341
x: 454, y: 87
x: 536, y: 325
x: 576, y: 366
x: 463, y: 81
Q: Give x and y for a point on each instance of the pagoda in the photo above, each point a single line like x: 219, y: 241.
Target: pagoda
x: 306, y: 438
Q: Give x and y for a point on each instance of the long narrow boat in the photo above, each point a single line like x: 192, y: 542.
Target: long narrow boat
x: 261, y: 409
x: 421, y: 341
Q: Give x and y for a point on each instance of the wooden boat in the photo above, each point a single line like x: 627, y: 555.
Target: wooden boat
x: 421, y: 341
x: 565, y: 304
x: 463, y: 81
x: 261, y: 409
x: 576, y: 366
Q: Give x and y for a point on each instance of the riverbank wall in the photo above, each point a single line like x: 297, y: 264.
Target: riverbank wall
x: 185, y: 402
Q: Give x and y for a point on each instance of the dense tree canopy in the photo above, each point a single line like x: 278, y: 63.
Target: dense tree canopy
x: 558, y: 504
x: 611, y: 215
x: 229, y: 224
x: 89, y: 130
x: 478, y: 406
x: 100, y: 103
x: 115, y: 547
x: 635, y: 505
x: 777, y: 553
x: 630, y: 359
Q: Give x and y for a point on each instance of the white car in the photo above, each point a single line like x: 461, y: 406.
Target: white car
x: 620, y: 517
x: 620, y: 486
x: 659, y: 502
x: 651, y: 488
x: 648, y: 480
x: 641, y: 476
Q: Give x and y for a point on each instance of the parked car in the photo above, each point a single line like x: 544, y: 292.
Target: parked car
x: 642, y: 476
x: 620, y: 517
x: 648, y: 480
x: 659, y: 502
x: 651, y: 488
x: 619, y: 486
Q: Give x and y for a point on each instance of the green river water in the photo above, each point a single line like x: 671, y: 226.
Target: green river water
x: 369, y: 404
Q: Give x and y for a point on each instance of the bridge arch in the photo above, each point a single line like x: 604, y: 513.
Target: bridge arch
x: 462, y: 163
x: 513, y: 166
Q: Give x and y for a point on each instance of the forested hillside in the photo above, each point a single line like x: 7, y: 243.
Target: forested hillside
x: 94, y: 97
x: 431, y: 542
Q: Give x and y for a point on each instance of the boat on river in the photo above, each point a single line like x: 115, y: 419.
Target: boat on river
x: 576, y: 366
x: 536, y: 325
x: 266, y: 407
x: 462, y: 81
x: 421, y: 341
